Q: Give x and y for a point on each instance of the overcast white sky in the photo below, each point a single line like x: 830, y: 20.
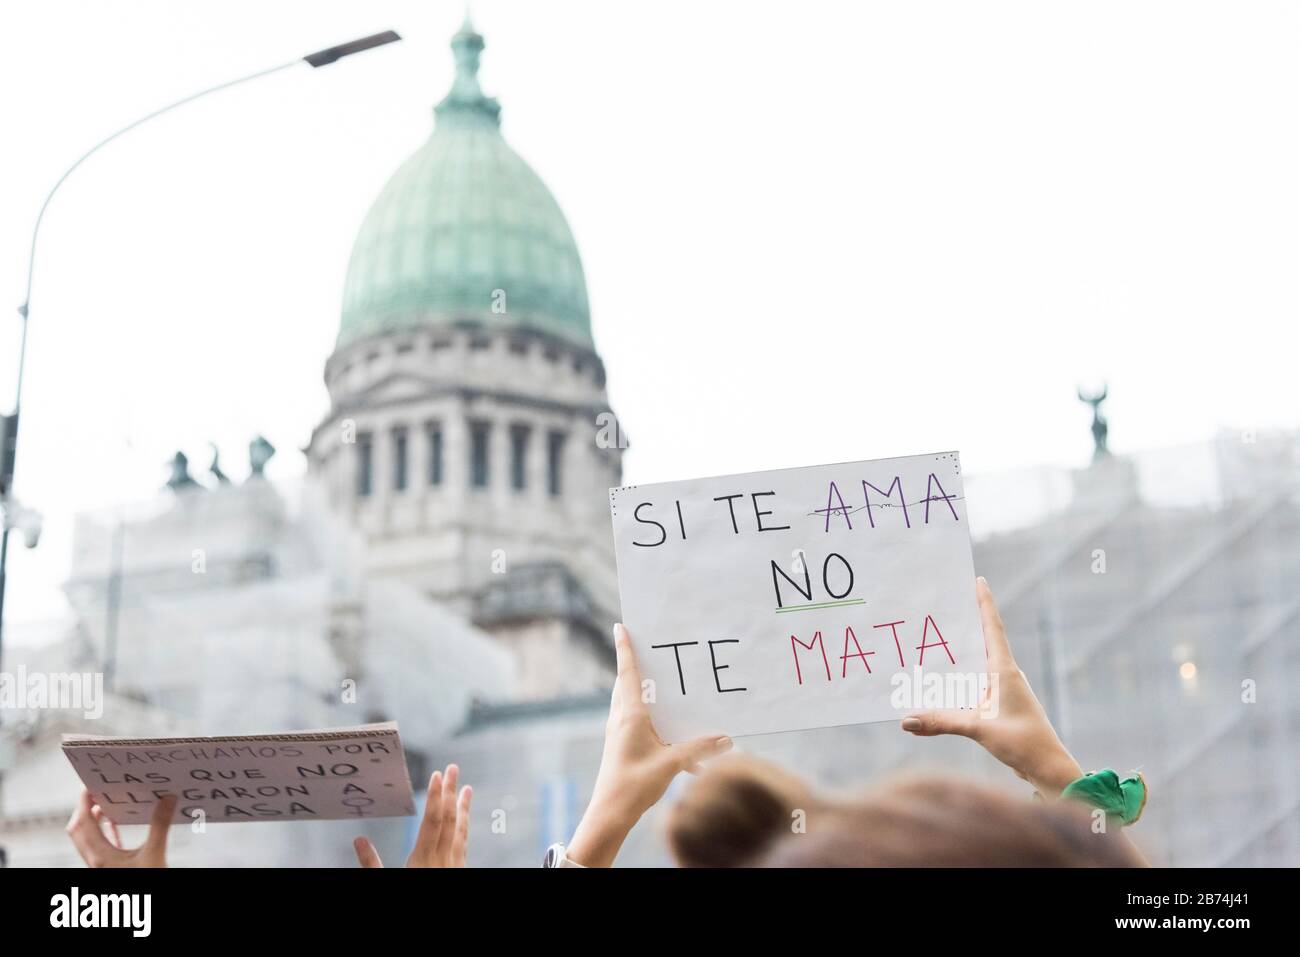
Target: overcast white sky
x: 812, y: 231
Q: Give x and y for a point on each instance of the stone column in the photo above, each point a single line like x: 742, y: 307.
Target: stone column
x: 499, y: 462
x: 381, y: 472
x: 455, y: 454
x: 537, y: 495
x: 417, y: 466
x: 575, y: 475
x: 340, y: 458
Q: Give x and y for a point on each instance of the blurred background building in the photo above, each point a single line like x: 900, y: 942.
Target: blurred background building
x: 449, y: 555
x: 1152, y: 600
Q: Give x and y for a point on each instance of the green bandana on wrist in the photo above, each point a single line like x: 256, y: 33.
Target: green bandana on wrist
x: 1103, y: 789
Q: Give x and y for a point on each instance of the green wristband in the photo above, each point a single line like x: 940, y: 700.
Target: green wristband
x: 1104, y: 790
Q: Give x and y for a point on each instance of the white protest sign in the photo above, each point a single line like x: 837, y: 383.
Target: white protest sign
x: 800, y: 598
x: 297, y: 776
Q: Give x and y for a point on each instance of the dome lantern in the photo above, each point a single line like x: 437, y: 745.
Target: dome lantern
x: 466, y: 101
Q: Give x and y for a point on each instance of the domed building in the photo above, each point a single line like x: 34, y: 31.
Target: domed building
x: 469, y: 437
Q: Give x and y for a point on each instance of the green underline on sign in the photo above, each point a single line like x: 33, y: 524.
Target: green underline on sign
x: 822, y: 604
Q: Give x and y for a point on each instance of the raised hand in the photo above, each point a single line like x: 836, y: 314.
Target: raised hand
x: 444, y: 831
x: 1010, y: 723
x: 636, y: 767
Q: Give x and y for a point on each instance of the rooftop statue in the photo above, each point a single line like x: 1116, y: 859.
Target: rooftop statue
x: 1100, y: 428
x: 259, y: 453
x: 180, y: 478
x: 215, y: 467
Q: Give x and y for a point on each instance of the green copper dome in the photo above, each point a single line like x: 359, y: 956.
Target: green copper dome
x: 461, y: 219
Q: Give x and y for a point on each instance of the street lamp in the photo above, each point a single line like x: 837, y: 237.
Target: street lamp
x: 15, y: 516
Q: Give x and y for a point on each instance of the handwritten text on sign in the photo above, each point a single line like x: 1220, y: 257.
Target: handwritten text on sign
x: 297, y: 776
x: 798, y: 598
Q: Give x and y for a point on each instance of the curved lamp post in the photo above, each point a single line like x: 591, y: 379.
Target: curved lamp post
x: 13, y: 513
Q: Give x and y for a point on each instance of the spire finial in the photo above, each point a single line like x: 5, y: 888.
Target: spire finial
x: 466, y: 101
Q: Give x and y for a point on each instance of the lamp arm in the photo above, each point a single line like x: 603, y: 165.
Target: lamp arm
x: 31, y: 258
x: 25, y: 308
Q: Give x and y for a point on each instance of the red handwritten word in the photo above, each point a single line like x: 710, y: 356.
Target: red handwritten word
x: 818, y: 643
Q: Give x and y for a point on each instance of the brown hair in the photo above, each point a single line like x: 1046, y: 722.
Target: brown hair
x: 734, y: 811
x: 746, y: 811
x: 941, y: 821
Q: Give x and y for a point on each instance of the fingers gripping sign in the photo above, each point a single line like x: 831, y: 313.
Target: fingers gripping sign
x: 996, y: 646
x: 636, y: 766
x: 100, y: 844
x: 1010, y: 723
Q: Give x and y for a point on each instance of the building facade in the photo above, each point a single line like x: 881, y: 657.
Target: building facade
x: 1152, y: 602
x: 469, y: 437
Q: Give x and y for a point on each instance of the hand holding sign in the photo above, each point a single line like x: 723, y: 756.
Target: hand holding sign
x: 1010, y: 723
x: 636, y: 766
x: 100, y: 845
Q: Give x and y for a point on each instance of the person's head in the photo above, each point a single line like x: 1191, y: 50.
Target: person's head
x: 734, y: 811
x: 943, y: 821
x: 745, y: 811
